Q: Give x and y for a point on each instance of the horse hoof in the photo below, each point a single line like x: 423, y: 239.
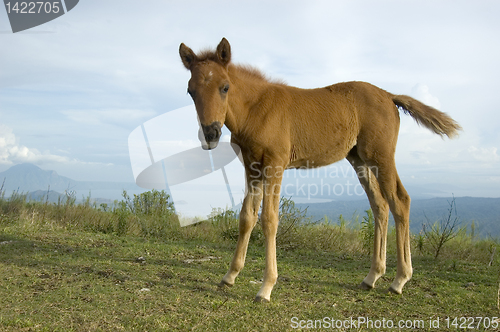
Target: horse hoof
x: 393, y: 291
x: 365, y: 286
x: 224, y: 284
x: 259, y: 299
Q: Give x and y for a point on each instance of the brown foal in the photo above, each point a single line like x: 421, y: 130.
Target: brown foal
x: 279, y: 127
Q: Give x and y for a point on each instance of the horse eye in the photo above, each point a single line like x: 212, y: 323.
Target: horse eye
x: 225, y: 89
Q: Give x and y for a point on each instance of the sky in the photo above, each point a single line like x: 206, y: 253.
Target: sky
x: 73, y: 90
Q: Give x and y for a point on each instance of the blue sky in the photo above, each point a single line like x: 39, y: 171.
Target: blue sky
x: 72, y: 90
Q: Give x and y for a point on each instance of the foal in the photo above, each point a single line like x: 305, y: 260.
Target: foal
x: 279, y: 127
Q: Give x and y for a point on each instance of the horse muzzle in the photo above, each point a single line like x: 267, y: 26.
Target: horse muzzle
x: 212, y: 135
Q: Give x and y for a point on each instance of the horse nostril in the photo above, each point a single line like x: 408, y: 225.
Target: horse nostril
x: 217, y: 131
x: 212, y: 132
x: 211, y: 135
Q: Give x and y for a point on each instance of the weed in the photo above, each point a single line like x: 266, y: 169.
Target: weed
x: 420, y: 242
x: 368, y: 231
x: 444, y: 230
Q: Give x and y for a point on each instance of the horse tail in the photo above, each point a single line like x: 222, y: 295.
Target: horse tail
x: 429, y: 117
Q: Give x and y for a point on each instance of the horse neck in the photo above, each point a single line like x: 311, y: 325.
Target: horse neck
x: 246, y: 90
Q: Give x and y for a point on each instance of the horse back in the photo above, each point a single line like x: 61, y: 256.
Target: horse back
x: 326, y: 123
x: 317, y: 127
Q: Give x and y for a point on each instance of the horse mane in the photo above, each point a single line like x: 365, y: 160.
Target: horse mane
x: 254, y: 73
x: 248, y: 71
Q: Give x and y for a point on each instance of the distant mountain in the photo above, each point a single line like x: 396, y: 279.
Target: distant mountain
x: 29, y: 178
x: 484, y: 212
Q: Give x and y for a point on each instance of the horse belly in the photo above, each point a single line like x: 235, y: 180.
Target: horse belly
x: 324, y: 130
x: 321, y: 153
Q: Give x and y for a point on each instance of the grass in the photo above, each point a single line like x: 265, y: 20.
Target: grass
x: 79, y: 270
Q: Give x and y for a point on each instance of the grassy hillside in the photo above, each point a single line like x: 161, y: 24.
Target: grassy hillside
x: 68, y: 267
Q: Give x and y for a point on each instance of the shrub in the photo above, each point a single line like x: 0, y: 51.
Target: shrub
x: 443, y: 230
x: 150, y: 213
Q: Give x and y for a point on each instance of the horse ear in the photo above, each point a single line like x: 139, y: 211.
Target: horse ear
x: 224, y: 52
x: 187, y: 56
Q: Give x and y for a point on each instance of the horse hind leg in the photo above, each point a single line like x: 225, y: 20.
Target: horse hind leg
x: 399, y: 204
x: 380, y: 209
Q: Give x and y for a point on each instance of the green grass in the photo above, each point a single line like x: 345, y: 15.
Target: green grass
x: 57, y: 275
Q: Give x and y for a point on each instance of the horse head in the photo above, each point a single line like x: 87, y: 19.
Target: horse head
x: 209, y: 86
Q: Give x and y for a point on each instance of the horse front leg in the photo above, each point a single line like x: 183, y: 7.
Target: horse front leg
x: 248, y: 218
x: 269, y: 219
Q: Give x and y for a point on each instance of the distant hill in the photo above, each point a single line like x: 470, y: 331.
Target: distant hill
x: 56, y: 197
x: 38, y: 183
x: 485, y: 212
x: 29, y: 178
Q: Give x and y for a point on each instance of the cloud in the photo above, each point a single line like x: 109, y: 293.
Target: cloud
x: 11, y: 152
x: 108, y: 116
x: 486, y: 155
x: 422, y: 93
